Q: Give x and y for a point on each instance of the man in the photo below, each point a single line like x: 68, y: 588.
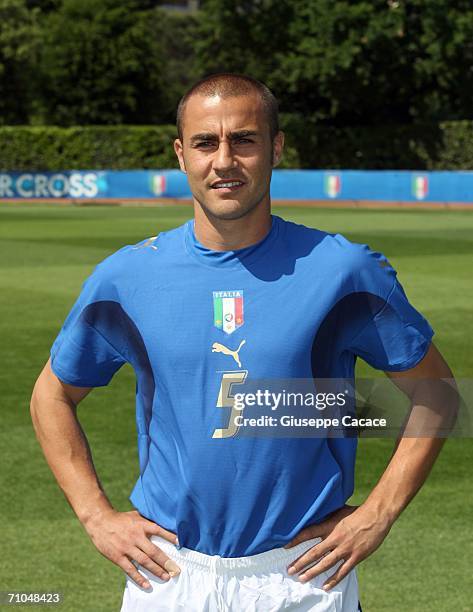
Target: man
x: 226, y: 522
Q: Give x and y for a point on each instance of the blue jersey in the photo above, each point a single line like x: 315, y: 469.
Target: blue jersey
x: 301, y: 303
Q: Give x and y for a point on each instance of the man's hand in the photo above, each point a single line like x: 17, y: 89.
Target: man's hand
x: 123, y: 537
x: 349, y: 535
x: 352, y: 533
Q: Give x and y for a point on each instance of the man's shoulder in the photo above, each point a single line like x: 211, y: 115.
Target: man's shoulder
x: 162, y: 242
x: 135, y: 262
x: 332, y: 246
x: 133, y: 256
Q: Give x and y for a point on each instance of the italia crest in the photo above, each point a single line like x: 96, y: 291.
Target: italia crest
x: 228, y: 310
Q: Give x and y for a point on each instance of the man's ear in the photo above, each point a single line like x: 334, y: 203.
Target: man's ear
x: 278, y: 148
x: 179, y: 152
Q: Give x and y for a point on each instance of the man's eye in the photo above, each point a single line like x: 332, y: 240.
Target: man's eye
x: 204, y: 144
x: 243, y: 141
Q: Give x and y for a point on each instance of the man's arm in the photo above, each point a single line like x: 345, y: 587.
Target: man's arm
x: 353, y: 533
x: 121, y: 537
x: 433, y: 406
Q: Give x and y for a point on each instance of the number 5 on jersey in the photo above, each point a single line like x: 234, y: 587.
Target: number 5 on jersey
x: 226, y: 399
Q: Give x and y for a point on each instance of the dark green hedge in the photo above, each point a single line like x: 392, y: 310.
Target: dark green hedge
x: 81, y: 148
x: 443, y: 146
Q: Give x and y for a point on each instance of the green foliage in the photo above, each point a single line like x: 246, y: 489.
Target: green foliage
x: 112, y: 66
x: 341, y: 62
x: 443, y: 146
x: 242, y: 36
x: 45, y: 6
x: 456, y: 151
x: 18, y: 47
x: 94, y: 147
x: 348, y: 62
x: 440, y: 49
x: 435, y: 146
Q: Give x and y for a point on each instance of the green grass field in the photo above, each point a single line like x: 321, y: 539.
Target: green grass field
x: 46, y: 252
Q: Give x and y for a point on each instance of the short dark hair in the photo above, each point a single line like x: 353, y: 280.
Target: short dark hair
x: 226, y: 85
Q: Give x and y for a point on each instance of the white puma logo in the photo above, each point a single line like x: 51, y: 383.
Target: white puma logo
x: 148, y: 243
x: 220, y: 348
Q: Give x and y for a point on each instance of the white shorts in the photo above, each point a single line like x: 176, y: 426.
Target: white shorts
x: 259, y: 583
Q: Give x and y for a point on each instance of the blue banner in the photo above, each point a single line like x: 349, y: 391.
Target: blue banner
x: 376, y: 185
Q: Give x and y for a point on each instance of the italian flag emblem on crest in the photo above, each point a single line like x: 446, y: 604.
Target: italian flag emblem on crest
x: 228, y: 310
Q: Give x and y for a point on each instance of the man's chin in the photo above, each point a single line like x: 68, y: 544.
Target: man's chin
x: 228, y: 209
x: 230, y: 215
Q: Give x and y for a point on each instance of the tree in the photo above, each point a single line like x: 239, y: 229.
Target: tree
x: 348, y: 62
x: 104, y: 63
x: 44, y: 6
x: 344, y: 62
x: 18, y: 48
x: 440, y: 49
x: 242, y: 36
x: 335, y: 62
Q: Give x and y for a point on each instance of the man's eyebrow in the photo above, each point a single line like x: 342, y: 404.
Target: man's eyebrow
x: 233, y: 135
x: 243, y: 134
x: 204, y: 136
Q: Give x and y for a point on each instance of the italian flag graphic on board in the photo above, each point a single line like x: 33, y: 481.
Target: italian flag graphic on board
x: 158, y: 184
x: 228, y: 310
x: 333, y: 185
x: 420, y: 186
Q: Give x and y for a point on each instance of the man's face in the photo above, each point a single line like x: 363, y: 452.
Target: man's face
x: 227, y: 153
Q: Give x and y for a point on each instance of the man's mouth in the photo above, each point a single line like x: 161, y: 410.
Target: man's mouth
x: 227, y: 184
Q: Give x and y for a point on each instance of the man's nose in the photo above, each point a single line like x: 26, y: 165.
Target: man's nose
x: 224, y: 159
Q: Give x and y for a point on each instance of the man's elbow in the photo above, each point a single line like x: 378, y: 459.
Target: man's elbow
x: 49, y: 390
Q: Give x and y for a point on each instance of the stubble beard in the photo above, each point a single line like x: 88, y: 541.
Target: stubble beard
x: 235, y: 214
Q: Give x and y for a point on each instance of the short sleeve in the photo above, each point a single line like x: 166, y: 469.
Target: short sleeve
x: 395, y: 336
x: 84, y: 353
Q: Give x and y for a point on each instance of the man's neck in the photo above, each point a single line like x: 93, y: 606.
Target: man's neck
x: 230, y: 235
